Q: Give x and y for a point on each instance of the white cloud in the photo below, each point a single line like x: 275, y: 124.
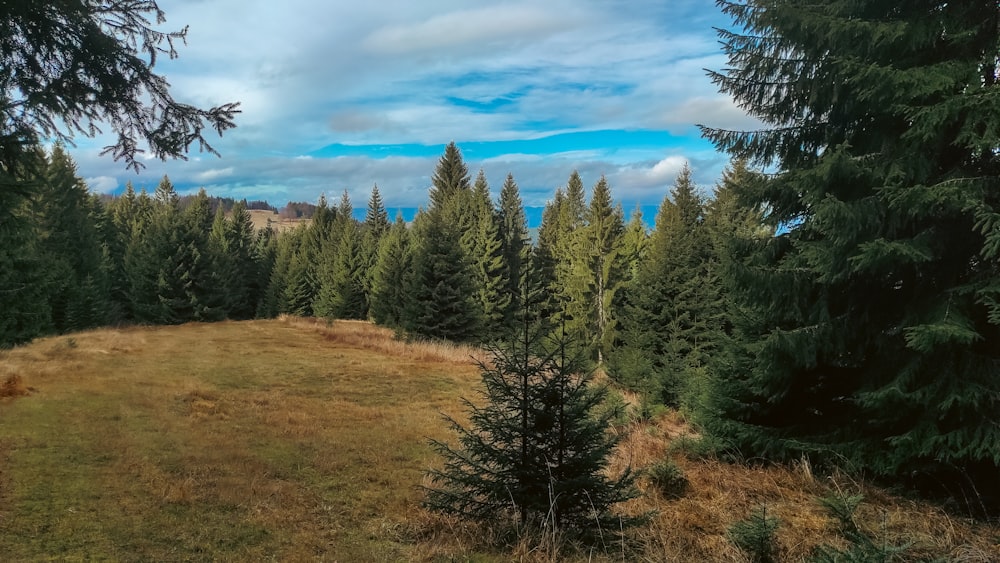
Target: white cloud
x: 102, y: 184
x: 476, y: 29
x: 214, y: 174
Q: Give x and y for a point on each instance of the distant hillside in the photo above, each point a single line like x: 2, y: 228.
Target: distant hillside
x: 260, y: 218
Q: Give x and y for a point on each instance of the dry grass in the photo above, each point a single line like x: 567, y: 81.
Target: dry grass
x: 299, y: 440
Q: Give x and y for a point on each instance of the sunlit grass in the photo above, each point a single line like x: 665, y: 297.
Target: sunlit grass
x: 297, y: 440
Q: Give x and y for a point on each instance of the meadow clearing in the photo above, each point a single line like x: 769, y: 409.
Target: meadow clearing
x: 301, y: 440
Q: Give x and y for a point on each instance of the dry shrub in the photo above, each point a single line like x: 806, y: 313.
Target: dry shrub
x: 13, y: 386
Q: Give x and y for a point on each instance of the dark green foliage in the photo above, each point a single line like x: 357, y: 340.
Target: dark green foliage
x: 451, y: 178
x: 872, y: 329
x: 515, y: 245
x: 342, y: 293
x: 443, y: 297
x: 668, y: 478
x: 302, y: 279
x: 265, y: 257
x: 491, y: 273
x: 22, y: 299
x: 246, y: 285
x: 69, y: 66
x: 756, y: 536
x: 391, y: 281
x: 673, y: 308
x: 534, y: 452
x: 375, y: 227
x: 77, y: 284
x: 285, y: 274
x: 602, y: 258
x: 440, y: 299
x: 863, y: 547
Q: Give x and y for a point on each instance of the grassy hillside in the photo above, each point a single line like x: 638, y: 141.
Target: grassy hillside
x: 294, y: 440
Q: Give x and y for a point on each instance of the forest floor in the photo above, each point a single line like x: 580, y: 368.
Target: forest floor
x: 296, y: 440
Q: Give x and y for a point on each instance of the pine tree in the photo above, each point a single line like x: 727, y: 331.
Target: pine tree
x: 536, y: 452
x: 265, y: 259
x: 314, y: 252
x: 875, y: 316
x: 375, y: 227
x: 151, y: 273
x: 285, y: 273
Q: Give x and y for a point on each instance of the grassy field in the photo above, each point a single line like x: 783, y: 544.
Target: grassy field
x: 295, y: 440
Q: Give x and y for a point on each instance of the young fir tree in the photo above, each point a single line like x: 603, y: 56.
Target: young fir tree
x: 265, y: 259
x: 302, y: 279
x: 536, y: 452
x: 544, y: 258
x: 451, y: 178
x: 276, y: 299
x: 569, y: 281
x: 148, y: 265
x: 876, y: 310
x: 442, y: 301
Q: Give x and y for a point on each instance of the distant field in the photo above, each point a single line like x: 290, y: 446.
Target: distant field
x: 292, y: 440
x: 259, y: 217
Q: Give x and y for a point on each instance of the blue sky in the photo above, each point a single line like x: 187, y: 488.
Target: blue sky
x: 342, y: 95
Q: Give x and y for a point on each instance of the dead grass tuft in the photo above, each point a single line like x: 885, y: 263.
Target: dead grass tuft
x: 13, y: 386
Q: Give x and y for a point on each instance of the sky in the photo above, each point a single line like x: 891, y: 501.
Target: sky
x: 342, y: 95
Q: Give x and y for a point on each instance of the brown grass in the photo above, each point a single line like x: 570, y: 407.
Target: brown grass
x: 13, y: 386
x: 299, y: 440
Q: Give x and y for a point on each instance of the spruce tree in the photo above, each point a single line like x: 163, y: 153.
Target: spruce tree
x: 536, y: 452
x: 451, y: 177
x: 515, y: 246
x: 484, y: 248
x: 392, y: 276
x: 440, y: 300
x: 600, y: 269
x: 341, y: 293
x: 22, y: 299
x: 71, y: 246
x: 375, y: 227
x: 672, y: 313
x: 265, y: 259
x: 875, y: 318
